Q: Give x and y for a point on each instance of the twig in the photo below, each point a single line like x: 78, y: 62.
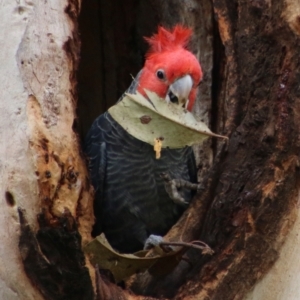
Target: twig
x: 204, y: 247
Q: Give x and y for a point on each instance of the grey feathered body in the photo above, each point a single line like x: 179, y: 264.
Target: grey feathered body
x: 131, y: 201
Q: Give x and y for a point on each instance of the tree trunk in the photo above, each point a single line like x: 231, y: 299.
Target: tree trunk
x: 47, y: 208
x: 250, y: 92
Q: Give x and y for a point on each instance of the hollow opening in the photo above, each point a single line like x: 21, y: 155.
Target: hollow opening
x: 9, y: 199
x: 112, y: 52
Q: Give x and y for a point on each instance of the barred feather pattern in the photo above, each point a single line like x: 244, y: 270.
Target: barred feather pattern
x: 131, y: 201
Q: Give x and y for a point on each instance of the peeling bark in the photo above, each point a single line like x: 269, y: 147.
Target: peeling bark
x: 48, y: 214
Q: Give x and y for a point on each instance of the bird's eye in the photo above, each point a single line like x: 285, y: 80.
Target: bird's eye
x: 160, y: 74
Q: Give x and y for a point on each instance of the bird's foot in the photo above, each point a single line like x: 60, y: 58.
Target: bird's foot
x: 153, y: 241
x: 172, y: 186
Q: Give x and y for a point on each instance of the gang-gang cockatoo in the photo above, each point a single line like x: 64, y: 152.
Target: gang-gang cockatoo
x: 132, y: 206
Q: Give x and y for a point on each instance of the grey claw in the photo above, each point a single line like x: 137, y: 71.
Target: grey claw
x: 153, y: 241
x: 180, y: 200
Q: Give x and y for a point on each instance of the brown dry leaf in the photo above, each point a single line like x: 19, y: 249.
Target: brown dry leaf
x: 122, y: 266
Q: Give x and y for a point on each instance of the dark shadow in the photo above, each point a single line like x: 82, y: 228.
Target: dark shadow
x: 112, y: 51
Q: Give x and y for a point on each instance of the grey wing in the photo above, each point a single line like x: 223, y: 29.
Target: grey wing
x: 95, y: 149
x: 192, y: 167
x: 130, y: 187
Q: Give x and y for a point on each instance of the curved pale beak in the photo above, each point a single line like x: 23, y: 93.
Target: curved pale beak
x: 179, y: 91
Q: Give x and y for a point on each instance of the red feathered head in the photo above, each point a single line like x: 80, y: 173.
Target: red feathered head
x: 170, y: 70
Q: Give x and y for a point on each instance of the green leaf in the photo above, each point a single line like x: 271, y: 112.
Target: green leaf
x: 156, y: 119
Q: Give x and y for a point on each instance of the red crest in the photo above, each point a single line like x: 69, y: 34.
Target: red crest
x: 165, y: 40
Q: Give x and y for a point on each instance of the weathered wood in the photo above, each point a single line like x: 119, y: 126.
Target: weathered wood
x: 47, y: 213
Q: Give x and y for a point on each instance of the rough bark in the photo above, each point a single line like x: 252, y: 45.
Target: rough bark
x: 252, y: 190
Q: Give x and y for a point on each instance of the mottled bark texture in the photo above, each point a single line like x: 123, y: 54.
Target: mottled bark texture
x: 249, y: 51
x: 48, y: 214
